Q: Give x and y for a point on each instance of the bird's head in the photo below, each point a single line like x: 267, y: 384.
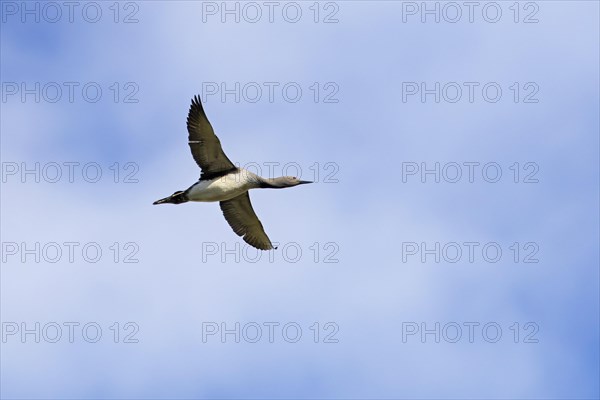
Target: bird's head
x: 286, y: 181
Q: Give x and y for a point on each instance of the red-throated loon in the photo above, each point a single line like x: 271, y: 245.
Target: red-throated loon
x: 223, y: 182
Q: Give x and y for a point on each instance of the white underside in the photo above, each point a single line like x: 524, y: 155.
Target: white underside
x: 220, y: 189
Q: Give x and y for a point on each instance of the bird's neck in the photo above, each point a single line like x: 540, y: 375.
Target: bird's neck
x: 257, y: 181
x: 270, y: 183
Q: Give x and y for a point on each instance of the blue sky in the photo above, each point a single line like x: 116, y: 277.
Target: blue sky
x: 365, y: 218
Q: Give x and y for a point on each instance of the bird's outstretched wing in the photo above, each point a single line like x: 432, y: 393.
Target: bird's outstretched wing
x: 243, y: 220
x: 205, y: 145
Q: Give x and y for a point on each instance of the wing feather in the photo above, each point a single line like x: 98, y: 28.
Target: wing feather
x: 205, y: 145
x: 243, y: 220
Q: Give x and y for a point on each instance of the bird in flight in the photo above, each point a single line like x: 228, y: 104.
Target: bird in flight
x: 222, y: 181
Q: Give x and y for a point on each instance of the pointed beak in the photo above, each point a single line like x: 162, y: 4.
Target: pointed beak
x: 303, y: 182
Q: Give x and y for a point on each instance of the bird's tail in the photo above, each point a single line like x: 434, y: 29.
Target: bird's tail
x: 176, y: 198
